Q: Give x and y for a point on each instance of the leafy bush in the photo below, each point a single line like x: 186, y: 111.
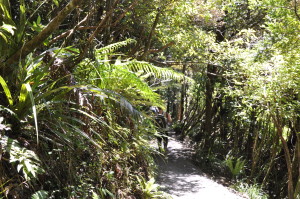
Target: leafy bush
x: 253, y: 191
x: 235, y: 165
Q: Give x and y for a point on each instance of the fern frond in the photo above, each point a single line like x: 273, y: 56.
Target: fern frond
x: 118, y: 99
x: 118, y: 79
x: 40, y: 195
x: 26, y: 159
x: 158, y: 72
x: 113, y: 47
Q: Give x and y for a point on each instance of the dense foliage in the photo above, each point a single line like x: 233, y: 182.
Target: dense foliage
x: 248, y: 96
x: 73, y: 117
x: 78, y: 76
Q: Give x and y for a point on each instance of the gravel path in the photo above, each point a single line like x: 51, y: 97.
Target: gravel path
x: 180, y: 178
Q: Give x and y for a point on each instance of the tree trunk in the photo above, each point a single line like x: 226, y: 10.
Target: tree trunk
x: 148, y: 42
x: 273, y: 153
x: 297, y: 187
x: 209, y: 88
x: 181, y: 106
x: 108, y: 7
x: 287, y: 156
x: 44, y: 34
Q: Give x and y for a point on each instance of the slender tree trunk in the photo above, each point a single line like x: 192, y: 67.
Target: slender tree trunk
x: 108, y: 7
x: 235, y: 132
x: 257, y: 150
x: 174, y: 104
x: 274, y: 152
x: 181, y: 106
x: 251, y: 134
x: 149, y: 39
x: 297, y: 188
x: 209, y: 88
x: 169, y: 100
x: 287, y: 156
x: 254, y: 153
x: 224, y: 119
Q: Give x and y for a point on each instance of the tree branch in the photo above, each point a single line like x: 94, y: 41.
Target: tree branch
x: 121, y: 16
x: 162, y: 48
x: 70, y: 32
x: 101, y: 25
x: 295, y: 10
x: 44, y: 34
x: 148, y: 44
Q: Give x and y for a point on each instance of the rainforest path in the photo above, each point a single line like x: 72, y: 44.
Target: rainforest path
x: 180, y: 178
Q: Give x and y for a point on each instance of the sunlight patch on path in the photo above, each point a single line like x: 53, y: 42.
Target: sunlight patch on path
x: 180, y: 178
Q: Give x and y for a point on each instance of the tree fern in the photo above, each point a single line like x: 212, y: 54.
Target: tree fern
x: 118, y: 79
x: 96, y: 113
x: 137, y: 66
x: 125, y: 77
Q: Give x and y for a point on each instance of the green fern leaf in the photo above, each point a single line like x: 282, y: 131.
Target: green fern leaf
x: 113, y: 47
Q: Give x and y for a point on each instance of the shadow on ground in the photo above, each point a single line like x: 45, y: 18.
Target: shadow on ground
x: 180, y: 178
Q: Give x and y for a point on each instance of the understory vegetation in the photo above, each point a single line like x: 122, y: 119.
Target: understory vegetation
x: 77, y: 79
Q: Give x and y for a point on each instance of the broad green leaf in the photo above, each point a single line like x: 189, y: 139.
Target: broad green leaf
x: 95, y: 196
x: 8, y: 28
x: 4, y: 37
x: 56, y: 2
x: 23, y: 94
x: 6, y: 91
x: 38, y: 21
x: 22, y: 21
x: 5, y: 7
x: 29, y: 167
x: 19, y: 167
x: 28, y: 87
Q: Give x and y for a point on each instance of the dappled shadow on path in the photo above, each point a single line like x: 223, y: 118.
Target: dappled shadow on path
x: 179, y: 177
x: 177, y: 173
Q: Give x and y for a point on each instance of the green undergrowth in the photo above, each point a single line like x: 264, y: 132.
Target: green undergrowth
x: 80, y: 135
x: 253, y: 191
x: 230, y: 171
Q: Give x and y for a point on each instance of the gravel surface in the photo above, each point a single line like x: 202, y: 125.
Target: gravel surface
x: 180, y: 178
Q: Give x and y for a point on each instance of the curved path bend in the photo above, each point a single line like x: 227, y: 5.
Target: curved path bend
x: 180, y: 178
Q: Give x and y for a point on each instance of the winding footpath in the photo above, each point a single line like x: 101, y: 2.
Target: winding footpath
x: 180, y: 178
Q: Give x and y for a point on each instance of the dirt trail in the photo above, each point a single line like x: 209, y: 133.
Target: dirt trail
x: 180, y: 178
